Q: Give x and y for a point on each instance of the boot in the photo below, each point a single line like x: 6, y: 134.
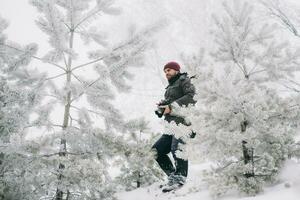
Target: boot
x: 174, y: 182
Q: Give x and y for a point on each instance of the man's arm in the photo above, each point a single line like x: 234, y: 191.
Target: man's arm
x: 188, y: 93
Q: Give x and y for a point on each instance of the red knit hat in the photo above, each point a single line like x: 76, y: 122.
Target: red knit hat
x: 172, y: 65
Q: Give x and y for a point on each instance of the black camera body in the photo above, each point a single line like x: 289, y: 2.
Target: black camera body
x: 160, y: 110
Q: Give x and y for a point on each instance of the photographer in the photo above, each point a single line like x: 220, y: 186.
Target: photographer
x: 179, y: 92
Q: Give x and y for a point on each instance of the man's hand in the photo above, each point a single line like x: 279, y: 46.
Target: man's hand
x: 167, y: 110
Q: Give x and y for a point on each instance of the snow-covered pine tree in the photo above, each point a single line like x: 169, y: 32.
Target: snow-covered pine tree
x: 243, y: 126
x: 72, y: 161
x: 285, y: 14
x: 20, y: 94
x: 140, y: 168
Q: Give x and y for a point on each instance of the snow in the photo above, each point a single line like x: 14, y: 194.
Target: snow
x: 288, y: 187
x: 189, y: 30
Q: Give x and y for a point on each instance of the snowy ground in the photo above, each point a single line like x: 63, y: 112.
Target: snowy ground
x: 288, y: 188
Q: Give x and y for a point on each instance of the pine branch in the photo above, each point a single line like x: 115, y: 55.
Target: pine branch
x: 92, y: 111
x: 66, y: 25
x: 86, y: 18
x: 88, y: 86
x: 241, y: 67
x: 296, y: 83
x: 101, y: 58
x: 91, y: 84
x: 49, y: 155
x: 227, y: 165
x: 67, y: 152
x: 53, y: 77
x: 35, y: 57
x: 50, y: 95
x: 30, y: 126
x: 88, y: 63
x: 262, y: 70
x: 279, y: 115
x: 75, y: 76
x: 291, y: 88
x: 65, y: 59
x: 278, y: 13
x: 79, y: 153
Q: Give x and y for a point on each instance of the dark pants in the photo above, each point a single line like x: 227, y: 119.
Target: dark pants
x: 164, y: 145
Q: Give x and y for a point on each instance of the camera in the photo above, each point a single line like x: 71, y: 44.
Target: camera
x: 161, y: 108
x: 160, y: 112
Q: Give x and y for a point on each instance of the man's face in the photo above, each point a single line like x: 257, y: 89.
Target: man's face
x: 170, y: 73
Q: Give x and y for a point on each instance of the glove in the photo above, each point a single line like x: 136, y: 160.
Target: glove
x: 192, y: 134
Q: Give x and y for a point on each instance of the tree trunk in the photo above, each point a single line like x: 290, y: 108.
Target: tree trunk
x: 63, y: 142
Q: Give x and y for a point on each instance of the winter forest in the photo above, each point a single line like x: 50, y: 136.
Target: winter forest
x: 80, y: 81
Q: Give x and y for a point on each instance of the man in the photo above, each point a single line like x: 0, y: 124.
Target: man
x: 179, y: 92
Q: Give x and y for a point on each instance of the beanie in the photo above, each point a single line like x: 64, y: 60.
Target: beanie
x: 172, y: 65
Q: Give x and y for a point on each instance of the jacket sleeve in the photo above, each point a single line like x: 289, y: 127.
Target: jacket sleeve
x: 188, y: 93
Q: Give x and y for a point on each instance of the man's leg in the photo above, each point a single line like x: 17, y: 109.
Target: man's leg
x: 163, y: 147
x: 177, y: 178
x: 181, y: 164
